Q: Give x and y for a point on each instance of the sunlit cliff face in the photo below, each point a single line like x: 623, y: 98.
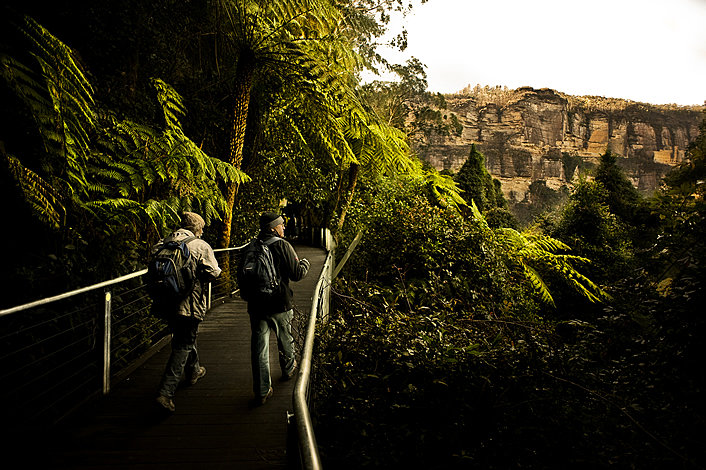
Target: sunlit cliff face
x: 530, y: 135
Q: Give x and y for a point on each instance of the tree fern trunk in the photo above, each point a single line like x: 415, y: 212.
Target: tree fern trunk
x: 241, y: 94
x: 352, y: 181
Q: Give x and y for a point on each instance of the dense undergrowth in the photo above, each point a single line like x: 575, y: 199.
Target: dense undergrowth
x: 440, y: 353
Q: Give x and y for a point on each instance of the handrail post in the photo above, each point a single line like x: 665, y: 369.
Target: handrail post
x: 101, y: 360
x: 209, y: 296
x: 106, y: 340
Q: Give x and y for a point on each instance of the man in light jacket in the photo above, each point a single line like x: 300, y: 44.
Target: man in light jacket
x: 185, y: 316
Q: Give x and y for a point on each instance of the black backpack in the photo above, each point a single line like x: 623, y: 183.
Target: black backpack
x: 171, y: 273
x: 257, y: 276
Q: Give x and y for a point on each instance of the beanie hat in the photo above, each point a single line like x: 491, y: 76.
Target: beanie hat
x: 193, y: 222
x: 270, y: 220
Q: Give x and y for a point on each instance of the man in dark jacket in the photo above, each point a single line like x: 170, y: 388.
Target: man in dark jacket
x: 276, y: 312
x: 184, y: 317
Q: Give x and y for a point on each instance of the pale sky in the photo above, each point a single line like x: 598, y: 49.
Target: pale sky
x: 652, y: 51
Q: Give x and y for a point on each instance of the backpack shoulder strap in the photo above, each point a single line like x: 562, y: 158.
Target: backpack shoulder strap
x: 270, y: 241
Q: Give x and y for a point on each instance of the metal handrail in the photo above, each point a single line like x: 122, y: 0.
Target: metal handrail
x: 83, y: 290
x: 66, y: 295
x: 233, y: 248
x: 308, y: 449
x: 106, y: 319
x: 307, y: 441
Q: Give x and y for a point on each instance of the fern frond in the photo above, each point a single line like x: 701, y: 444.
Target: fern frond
x: 538, y: 284
x: 478, y: 217
x: 534, y: 252
x: 42, y: 196
x: 172, y: 105
x: 545, y: 243
x: 444, y: 189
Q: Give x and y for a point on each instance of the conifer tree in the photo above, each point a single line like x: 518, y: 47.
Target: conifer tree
x: 478, y: 186
x: 623, y: 198
x: 475, y: 181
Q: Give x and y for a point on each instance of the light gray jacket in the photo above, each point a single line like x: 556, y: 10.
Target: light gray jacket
x: 206, y: 271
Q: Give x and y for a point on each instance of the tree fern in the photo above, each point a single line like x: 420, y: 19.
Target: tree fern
x: 146, y: 162
x: 305, y: 44
x: 97, y: 166
x: 70, y: 101
x: 534, y: 253
x: 59, y: 98
x: 443, y: 189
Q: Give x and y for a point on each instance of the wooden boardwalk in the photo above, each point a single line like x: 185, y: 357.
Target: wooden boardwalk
x: 216, y: 425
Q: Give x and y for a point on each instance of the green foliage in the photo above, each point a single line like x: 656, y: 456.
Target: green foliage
x: 437, y: 328
x: 623, y: 198
x: 391, y: 100
x: 407, y: 105
x: 534, y: 253
x: 442, y: 336
x: 679, y: 251
x: 156, y: 174
x: 40, y: 196
x: 409, y: 236
x: 588, y: 226
x: 59, y: 99
x: 304, y: 49
x: 425, y: 389
x: 129, y: 160
x: 475, y: 181
x: 539, y: 201
x: 437, y: 355
x: 395, y: 384
x: 100, y: 178
x: 443, y: 189
x: 402, y: 228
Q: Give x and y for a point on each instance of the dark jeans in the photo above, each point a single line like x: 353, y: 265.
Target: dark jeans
x: 184, y: 357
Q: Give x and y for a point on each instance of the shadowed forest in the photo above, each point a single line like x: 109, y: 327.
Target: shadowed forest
x: 459, y: 337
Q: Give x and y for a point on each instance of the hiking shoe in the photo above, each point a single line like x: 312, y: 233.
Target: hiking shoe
x: 166, y: 402
x: 197, y: 375
x: 269, y: 394
x: 289, y: 375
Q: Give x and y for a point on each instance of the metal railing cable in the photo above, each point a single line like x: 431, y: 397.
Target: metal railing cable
x: 72, y: 293
x: 58, y: 352
x: 50, y: 350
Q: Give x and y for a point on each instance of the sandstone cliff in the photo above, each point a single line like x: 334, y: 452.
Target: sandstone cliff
x: 529, y: 135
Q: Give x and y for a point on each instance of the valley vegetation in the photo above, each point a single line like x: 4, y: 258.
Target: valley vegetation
x: 459, y: 337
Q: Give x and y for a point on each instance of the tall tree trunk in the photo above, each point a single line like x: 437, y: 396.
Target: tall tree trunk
x: 241, y: 94
x: 353, y: 172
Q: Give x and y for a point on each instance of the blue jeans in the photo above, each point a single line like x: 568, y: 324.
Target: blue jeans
x: 260, y: 326
x: 184, y: 356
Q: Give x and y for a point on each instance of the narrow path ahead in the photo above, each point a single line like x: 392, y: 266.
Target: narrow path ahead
x: 215, y: 426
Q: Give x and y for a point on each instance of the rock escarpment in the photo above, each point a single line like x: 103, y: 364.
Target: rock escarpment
x: 528, y: 135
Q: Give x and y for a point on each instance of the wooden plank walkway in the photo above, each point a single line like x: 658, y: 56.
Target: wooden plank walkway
x: 215, y: 426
